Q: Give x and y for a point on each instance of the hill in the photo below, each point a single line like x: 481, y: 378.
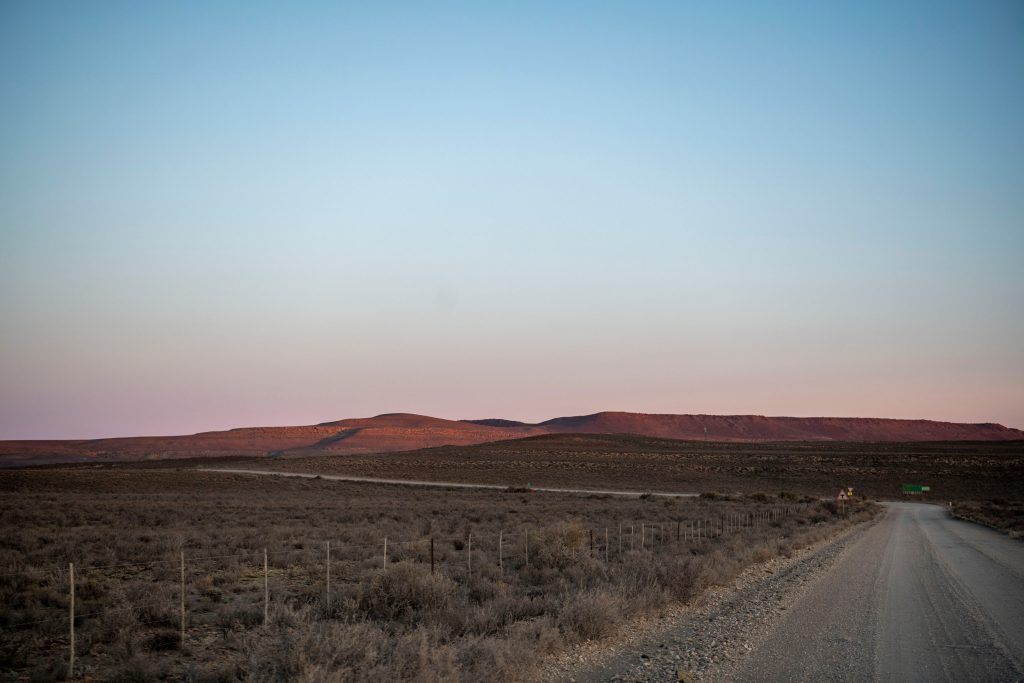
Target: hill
x: 752, y: 428
x: 404, y: 431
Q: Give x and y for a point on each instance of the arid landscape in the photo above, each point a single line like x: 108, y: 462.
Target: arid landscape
x: 403, y: 432
x: 953, y: 470
x: 449, y: 604
x: 558, y: 342
x: 452, y: 596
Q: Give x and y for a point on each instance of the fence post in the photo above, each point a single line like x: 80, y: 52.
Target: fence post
x: 431, y: 555
x: 385, y: 565
x: 469, y: 557
x: 632, y: 537
x: 679, y: 526
x: 606, y: 545
x: 526, y: 542
x: 183, y: 599
x: 266, y: 590
x: 328, y: 574
x: 643, y: 536
x: 501, y: 558
x: 620, y: 540
x: 591, y: 542
x: 71, y: 620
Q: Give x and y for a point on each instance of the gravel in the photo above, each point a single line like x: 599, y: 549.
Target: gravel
x: 706, y: 640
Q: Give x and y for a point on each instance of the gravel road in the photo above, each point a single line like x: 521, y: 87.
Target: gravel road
x: 921, y: 597
x: 917, y: 596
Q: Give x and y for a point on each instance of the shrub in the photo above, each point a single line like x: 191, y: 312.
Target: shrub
x: 404, y: 590
x: 594, y: 614
x: 138, y: 669
x: 163, y: 640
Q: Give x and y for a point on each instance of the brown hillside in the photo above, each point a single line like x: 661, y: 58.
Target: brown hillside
x: 760, y: 428
x: 383, y: 433
x: 405, y: 431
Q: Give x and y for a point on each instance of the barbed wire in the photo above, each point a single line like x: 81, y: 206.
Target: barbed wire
x: 599, y: 546
x: 341, y: 546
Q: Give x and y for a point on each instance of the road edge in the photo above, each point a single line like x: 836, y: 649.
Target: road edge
x: 721, y: 652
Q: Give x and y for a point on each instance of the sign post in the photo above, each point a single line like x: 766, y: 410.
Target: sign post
x: 841, y: 501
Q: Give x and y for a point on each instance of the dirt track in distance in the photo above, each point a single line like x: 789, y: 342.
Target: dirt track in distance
x: 440, y: 484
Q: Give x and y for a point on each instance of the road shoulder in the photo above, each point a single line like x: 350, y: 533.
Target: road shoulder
x: 705, y: 640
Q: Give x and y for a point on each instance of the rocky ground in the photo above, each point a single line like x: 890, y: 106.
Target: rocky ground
x: 706, y: 640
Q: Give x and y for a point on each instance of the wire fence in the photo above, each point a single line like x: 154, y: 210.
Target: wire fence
x: 183, y: 585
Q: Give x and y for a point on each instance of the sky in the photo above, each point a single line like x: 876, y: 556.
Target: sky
x: 231, y: 214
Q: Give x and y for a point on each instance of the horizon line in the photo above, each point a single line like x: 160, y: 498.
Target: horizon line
x: 521, y: 422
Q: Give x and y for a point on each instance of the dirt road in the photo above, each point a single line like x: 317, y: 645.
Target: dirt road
x: 920, y: 597
x: 443, y: 484
x: 917, y: 596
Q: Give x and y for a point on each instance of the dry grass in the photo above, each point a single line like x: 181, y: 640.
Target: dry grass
x: 124, y: 529
x: 998, y: 513
x: 955, y: 470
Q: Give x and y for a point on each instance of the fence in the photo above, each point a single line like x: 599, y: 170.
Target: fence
x: 459, y: 558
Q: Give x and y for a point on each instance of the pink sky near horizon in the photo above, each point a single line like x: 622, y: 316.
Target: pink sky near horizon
x: 308, y: 395
x: 216, y: 215
x: 493, y: 351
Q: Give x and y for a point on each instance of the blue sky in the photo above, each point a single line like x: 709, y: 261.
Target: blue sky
x: 220, y: 214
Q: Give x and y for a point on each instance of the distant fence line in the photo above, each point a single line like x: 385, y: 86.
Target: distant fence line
x: 607, y: 544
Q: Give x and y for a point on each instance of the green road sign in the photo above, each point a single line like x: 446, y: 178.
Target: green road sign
x: 916, y: 488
